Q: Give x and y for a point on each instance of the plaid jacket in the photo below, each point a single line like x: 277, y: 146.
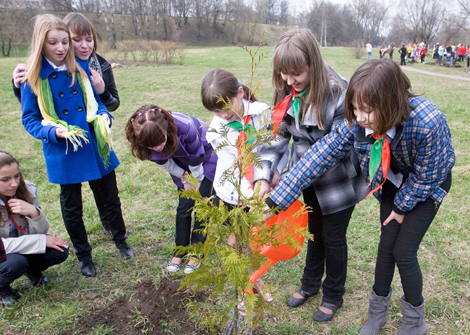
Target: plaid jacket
x: 340, y: 187
x: 3, y: 255
x: 421, y: 150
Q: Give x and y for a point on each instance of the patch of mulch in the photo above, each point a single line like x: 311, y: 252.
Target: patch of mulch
x: 147, y: 311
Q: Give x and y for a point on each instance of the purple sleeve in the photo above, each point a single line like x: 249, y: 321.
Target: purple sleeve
x: 192, y: 143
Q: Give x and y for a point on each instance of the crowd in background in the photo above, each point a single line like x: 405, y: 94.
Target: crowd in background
x: 418, y: 52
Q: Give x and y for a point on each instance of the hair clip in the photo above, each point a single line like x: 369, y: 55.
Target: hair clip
x: 139, y: 114
x: 240, y: 83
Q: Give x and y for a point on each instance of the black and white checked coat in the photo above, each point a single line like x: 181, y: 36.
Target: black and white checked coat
x: 343, y: 185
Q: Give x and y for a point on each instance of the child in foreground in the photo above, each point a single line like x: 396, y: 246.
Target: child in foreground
x: 61, y: 108
x: 244, y: 114
x: 176, y: 142
x: 25, y: 249
x: 85, y: 45
x: 405, y: 150
x: 309, y: 97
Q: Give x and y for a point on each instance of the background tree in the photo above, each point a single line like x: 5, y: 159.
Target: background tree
x: 422, y: 19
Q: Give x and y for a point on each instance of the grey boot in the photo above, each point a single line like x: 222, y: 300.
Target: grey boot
x: 412, y: 322
x: 378, y: 307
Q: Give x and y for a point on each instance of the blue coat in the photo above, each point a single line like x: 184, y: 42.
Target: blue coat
x: 64, y: 165
x: 193, y: 148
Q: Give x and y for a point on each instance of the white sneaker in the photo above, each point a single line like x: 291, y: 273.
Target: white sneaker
x: 172, y: 267
x: 191, y: 268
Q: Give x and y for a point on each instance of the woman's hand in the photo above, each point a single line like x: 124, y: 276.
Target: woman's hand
x: 18, y: 74
x: 21, y: 207
x: 56, y: 243
x: 394, y: 216
x: 263, y: 188
x: 60, y: 132
x: 97, y: 81
x: 276, y: 179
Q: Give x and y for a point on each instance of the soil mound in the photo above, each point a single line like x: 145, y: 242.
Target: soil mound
x: 147, y: 311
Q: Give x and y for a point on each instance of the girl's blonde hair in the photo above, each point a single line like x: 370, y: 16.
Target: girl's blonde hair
x: 296, y: 49
x: 42, y: 25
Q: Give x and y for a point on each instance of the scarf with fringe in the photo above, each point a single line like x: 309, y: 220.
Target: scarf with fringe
x: 75, y: 134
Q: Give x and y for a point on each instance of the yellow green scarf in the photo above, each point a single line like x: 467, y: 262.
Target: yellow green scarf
x: 74, y: 133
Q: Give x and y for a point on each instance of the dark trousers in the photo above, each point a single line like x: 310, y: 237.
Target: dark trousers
x: 399, y: 244
x: 402, y: 60
x: 184, y: 236
x: 17, y: 265
x: 72, y: 212
x: 329, y: 248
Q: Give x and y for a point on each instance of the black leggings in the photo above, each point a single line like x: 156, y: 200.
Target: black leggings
x: 184, y: 236
x: 399, y: 244
x: 328, y: 250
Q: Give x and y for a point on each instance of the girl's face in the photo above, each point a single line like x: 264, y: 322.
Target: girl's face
x: 365, y: 116
x: 83, y: 45
x: 299, y: 81
x: 233, y: 114
x: 161, y: 146
x: 9, y: 180
x: 56, y: 46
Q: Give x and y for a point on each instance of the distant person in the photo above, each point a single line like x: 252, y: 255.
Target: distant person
x: 448, y: 55
x: 440, y: 54
x: 461, y: 52
x: 382, y: 49
x: 369, y: 51
x: 423, y: 51
x: 435, y: 51
x: 390, y: 49
x: 25, y: 249
x: 402, y: 53
x: 414, y: 49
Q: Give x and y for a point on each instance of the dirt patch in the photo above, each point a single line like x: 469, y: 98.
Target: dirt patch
x: 147, y: 311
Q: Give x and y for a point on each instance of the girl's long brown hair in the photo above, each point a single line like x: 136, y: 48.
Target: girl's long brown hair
x: 42, y: 25
x: 22, y: 192
x: 296, y: 49
x: 149, y: 127
x: 80, y: 25
x: 380, y: 84
x: 222, y: 84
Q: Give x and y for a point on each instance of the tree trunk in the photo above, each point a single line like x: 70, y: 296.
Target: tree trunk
x: 122, y: 20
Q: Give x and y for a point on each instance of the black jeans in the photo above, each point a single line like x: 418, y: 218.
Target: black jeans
x: 402, y: 60
x: 184, y: 236
x: 17, y: 265
x: 329, y: 248
x: 72, y: 212
x: 399, y: 244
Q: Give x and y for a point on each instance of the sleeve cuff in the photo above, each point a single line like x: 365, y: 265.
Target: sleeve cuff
x: 105, y: 96
x: 271, y: 204
x: 397, y: 210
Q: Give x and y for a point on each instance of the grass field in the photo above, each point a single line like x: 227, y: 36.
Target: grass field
x: 149, y: 203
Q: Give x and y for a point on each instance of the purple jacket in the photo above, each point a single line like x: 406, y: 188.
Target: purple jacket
x: 193, y: 148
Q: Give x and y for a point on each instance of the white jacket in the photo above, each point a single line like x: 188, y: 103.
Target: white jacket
x: 34, y: 240
x: 260, y: 116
